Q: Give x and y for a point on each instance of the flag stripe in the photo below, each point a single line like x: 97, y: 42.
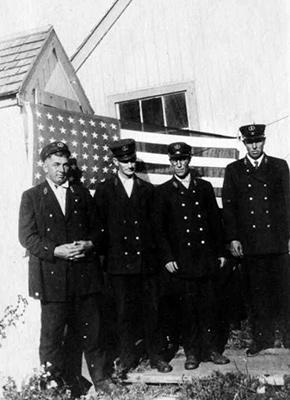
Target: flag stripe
x: 152, y: 168
x: 157, y: 179
x: 193, y: 141
x: 210, y: 155
x: 196, y: 151
x: 195, y: 161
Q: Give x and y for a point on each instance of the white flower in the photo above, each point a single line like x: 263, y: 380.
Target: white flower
x: 261, y: 390
x: 51, y: 384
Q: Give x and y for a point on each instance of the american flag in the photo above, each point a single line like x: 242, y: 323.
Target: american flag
x: 211, y: 153
x: 87, y: 136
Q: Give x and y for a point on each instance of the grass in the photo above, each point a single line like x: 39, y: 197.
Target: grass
x: 232, y: 386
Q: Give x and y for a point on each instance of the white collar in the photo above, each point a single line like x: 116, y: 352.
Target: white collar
x: 185, y: 179
x: 125, y: 180
x: 53, y: 185
x: 258, y: 160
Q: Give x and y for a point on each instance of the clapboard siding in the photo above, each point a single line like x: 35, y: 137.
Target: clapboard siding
x: 235, y: 52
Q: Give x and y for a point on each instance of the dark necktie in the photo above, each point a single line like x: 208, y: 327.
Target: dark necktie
x: 256, y: 164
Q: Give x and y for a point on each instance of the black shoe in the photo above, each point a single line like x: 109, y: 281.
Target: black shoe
x: 253, y: 350
x: 218, y: 358
x: 191, y: 362
x: 161, y: 366
x: 120, y: 371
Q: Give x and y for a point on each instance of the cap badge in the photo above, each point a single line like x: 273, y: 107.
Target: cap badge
x: 251, y: 128
x: 60, y: 144
x: 177, y: 146
x: 125, y: 148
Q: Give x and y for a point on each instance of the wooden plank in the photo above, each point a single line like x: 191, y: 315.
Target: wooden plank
x: 99, y: 32
x: 270, y: 366
x: 53, y: 100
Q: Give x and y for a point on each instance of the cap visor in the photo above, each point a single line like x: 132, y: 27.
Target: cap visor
x: 127, y: 157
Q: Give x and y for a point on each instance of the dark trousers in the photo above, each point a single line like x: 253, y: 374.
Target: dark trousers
x: 195, y: 316
x: 137, y: 313
x: 67, y: 330
x: 267, y: 286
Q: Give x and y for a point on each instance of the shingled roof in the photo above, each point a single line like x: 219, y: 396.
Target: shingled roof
x: 17, y: 56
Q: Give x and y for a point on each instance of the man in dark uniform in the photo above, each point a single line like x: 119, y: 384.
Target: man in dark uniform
x: 190, y: 242
x: 257, y: 220
x: 125, y: 204
x: 55, y: 227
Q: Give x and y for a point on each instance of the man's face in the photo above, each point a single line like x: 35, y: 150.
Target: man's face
x: 126, y: 168
x: 180, y: 166
x: 256, y: 148
x: 56, y: 168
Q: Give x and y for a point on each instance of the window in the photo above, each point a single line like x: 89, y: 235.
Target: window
x: 164, y: 110
x: 157, y: 108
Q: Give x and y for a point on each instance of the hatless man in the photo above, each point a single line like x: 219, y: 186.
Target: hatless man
x: 125, y: 204
x: 257, y: 222
x: 189, y: 238
x: 64, y: 274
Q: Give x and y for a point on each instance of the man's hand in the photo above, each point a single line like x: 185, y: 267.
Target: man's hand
x: 236, y: 248
x: 73, y: 251
x: 67, y: 251
x: 222, y: 261
x: 171, y: 266
x: 84, y: 245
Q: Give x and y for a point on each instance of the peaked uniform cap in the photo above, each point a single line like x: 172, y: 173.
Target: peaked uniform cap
x: 253, y: 131
x: 124, y: 149
x: 179, y: 149
x: 53, y: 148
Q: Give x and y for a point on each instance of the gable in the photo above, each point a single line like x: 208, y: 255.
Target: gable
x: 35, y: 66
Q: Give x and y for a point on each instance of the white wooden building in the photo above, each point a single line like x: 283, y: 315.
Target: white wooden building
x: 228, y: 59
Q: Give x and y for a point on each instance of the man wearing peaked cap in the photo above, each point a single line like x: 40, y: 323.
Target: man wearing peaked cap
x: 64, y: 271
x: 190, y: 244
x: 54, y: 148
x: 252, y: 132
x: 123, y: 149
x: 179, y: 149
x: 125, y: 204
x: 257, y: 222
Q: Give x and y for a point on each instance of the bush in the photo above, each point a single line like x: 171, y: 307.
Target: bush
x: 12, y: 314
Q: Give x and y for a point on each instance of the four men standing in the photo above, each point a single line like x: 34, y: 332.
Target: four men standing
x: 176, y: 229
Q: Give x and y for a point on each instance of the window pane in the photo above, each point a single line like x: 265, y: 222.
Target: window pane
x: 175, y: 110
x: 130, y: 111
x: 152, y: 111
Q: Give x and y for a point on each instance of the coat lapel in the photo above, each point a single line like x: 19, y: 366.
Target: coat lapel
x: 182, y: 190
x: 261, y: 173
x: 137, y: 191
x: 49, y: 200
x: 72, y: 201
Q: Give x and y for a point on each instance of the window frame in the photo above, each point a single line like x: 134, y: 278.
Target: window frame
x: 187, y: 87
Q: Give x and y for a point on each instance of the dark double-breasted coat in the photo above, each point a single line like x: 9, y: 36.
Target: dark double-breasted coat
x: 188, y: 227
x: 132, y: 264
x: 42, y: 227
x: 128, y: 226
x: 256, y: 205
